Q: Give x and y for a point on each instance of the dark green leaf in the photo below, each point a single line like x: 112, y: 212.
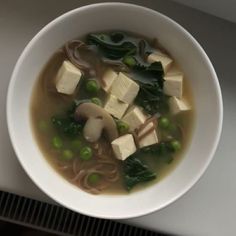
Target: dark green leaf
x: 162, y: 150
x: 150, y: 80
x: 71, y: 110
x: 117, y: 37
x: 152, y: 73
x: 66, y: 126
x: 152, y: 99
x: 111, y: 49
x: 144, y: 49
x: 136, y: 172
x: 155, y: 68
x: 65, y: 123
x: 159, y: 149
x: 145, y: 176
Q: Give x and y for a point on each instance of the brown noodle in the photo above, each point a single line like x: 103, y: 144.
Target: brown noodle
x: 105, y: 166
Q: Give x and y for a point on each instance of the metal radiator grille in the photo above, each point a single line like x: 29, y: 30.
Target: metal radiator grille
x: 57, y: 219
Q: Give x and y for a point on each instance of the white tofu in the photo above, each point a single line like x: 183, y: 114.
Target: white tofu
x: 174, y: 70
x: 177, y: 105
x: 149, y: 139
x: 124, y: 146
x: 173, y: 85
x: 124, y: 88
x: 67, y: 78
x: 108, y: 78
x: 134, y: 118
x: 115, y: 107
x: 164, y: 59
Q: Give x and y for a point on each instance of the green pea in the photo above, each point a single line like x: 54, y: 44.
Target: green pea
x: 57, y: 142
x: 96, y: 101
x: 164, y: 122
x: 86, y: 153
x: 76, y: 144
x: 129, y: 61
x: 94, y: 178
x: 92, y: 86
x: 67, y: 155
x: 122, y: 127
x: 175, y: 145
x: 43, y: 125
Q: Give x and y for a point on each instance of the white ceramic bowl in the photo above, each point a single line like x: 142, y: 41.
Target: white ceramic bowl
x: 186, y: 51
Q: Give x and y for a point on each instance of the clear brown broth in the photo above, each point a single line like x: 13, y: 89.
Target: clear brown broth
x: 46, y: 103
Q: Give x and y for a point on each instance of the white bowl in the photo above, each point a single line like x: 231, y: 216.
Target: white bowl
x: 186, y: 51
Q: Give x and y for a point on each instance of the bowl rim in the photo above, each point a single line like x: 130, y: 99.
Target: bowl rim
x: 10, y: 102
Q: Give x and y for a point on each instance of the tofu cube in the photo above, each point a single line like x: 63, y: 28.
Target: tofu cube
x: 173, y: 85
x: 150, y: 138
x: 124, y: 88
x: 108, y: 79
x: 177, y: 105
x: 124, y: 146
x: 67, y: 78
x: 134, y: 118
x: 164, y: 59
x: 174, y: 70
x: 115, y: 107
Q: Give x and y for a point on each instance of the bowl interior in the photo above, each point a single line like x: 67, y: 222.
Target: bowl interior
x: 186, y: 52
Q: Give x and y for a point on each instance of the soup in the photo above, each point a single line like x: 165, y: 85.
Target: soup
x: 112, y: 112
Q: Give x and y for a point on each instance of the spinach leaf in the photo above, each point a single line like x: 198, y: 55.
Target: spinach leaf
x: 161, y: 150
x: 150, y: 79
x: 149, y: 74
x: 65, y: 123
x: 136, y: 172
x: 144, y: 49
x: 71, y: 110
x: 66, y: 126
x: 117, y: 37
x: 152, y: 99
x: 155, y: 69
x: 110, y: 49
x: 151, y: 96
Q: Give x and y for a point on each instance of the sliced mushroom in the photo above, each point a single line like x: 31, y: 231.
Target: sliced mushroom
x: 97, y: 120
x: 93, y: 123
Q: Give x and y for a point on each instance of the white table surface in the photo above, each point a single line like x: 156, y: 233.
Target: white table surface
x: 209, y: 207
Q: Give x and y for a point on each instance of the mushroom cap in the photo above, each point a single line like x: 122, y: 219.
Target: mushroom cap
x: 98, y: 119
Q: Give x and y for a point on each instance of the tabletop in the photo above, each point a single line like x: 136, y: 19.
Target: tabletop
x: 209, y: 207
